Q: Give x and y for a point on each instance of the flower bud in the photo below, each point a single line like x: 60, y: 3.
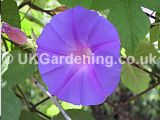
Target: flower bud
x: 14, y: 34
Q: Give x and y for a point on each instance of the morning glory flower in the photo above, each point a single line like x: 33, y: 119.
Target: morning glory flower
x: 79, y: 31
x: 14, y: 34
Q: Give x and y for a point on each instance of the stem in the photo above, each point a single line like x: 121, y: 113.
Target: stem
x: 132, y: 98
x: 53, y: 99
x: 142, y: 93
x: 23, y: 96
x: 31, y: 106
x: 117, y: 109
x: 26, y: 14
x: 29, y: 3
x: 42, y: 114
x: 42, y: 101
x: 141, y: 68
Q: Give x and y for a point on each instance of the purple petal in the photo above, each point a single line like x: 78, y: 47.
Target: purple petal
x: 109, y: 49
x: 108, y: 77
x: 93, y: 29
x: 102, y: 33
x: 84, y: 21
x: 55, y: 78
x: 51, y: 41
x: 75, y: 85
x: 43, y: 57
x: 63, y: 25
x: 76, y: 30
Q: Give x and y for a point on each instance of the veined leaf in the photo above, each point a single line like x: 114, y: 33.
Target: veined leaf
x: 127, y: 21
x: 134, y: 79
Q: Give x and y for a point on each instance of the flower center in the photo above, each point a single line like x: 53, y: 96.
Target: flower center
x: 87, y: 52
x: 82, y: 56
x: 83, y: 52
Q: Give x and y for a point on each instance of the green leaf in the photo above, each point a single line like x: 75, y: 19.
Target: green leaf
x: 159, y: 44
x: 76, y: 115
x: 134, y: 79
x: 100, y: 4
x: 17, y: 73
x: 146, y: 49
x: 10, y: 13
x: 73, y: 3
x: 90, y: 4
x: 155, y: 33
x: 27, y: 115
x: 11, y: 105
x: 126, y: 16
x: 151, y: 4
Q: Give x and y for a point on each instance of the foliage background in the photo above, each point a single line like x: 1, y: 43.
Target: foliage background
x: 136, y: 98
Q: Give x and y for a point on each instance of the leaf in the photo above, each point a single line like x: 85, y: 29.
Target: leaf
x: 17, y: 73
x: 11, y: 105
x: 126, y: 16
x: 146, y: 49
x: 100, y: 4
x: 27, y: 115
x: 155, y: 33
x: 134, y: 79
x: 10, y: 13
x: 151, y: 4
x: 159, y: 44
x: 73, y: 3
x: 76, y: 115
x: 90, y: 4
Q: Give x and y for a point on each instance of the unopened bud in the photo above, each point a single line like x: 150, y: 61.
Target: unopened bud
x: 14, y: 34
